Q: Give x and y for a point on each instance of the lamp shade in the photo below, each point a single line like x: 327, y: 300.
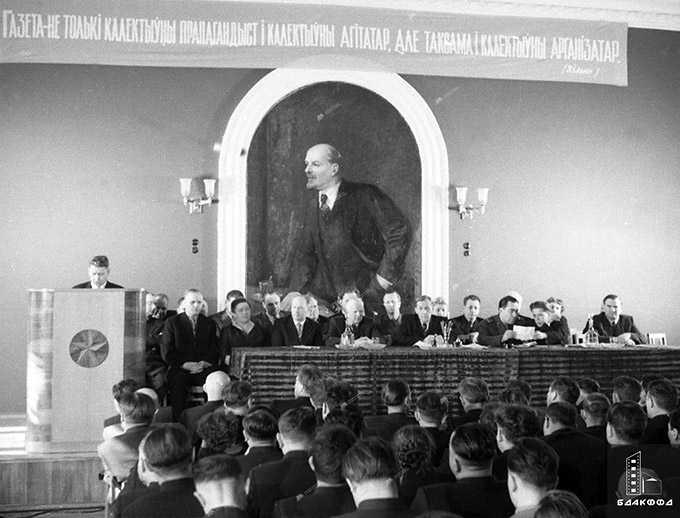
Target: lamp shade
x: 185, y: 186
x: 461, y: 195
x: 209, y: 185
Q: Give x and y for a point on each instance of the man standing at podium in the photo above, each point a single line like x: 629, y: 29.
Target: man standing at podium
x: 189, y: 347
x: 98, y: 272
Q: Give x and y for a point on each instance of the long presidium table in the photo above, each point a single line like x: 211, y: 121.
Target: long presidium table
x: 271, y: 371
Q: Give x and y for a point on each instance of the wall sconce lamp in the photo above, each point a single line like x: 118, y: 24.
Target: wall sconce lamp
x: 196, y: 204
x: 467, y: 211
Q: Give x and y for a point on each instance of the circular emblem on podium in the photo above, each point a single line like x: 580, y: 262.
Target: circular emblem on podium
x: 89, y: 348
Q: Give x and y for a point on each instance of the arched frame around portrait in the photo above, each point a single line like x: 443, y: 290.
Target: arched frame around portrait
x: 233, y: 167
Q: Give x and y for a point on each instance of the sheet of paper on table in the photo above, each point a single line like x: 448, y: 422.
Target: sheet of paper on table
x: 524, y: 332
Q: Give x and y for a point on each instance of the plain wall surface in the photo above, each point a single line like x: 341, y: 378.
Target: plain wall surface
x: 584, y: 183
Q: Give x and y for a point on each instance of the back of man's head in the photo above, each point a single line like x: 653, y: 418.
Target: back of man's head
x: 236, y: 394
x: 664, y: 393
x: 219, y: 430
x: 167, y: 450
x: 369, y: 459
x: 588, y: 385
x: 566, y: 389
x: 517, y: 421
x: 473, y: 445
x: 431, y: 407
x: 395, y: 392
x: 561, y: 415
x: 298, y: 425
x: 330, y: 444
x: 214, y: 385
x: 307, y: 375
x: 350, y: 416
x: 513, y: 396
x: 534, y: 462
x: 521, y: 385
x: 558, y: 503
x: 474, y: 390
x: 219, y: 482
x: 628, y: 422
x: 261, y: 425
x: 126, y: 386
x: 626, y: 388
x: 339, y: 392
x: 136, y: 408
x: 595, y: 405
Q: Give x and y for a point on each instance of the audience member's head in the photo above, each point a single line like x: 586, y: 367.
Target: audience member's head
x: 626, y: 388
x: 626, y: 423
x: 563, y: 389
x: 645, y: 380
x: 219, y: 431
x: 472, y: 448
x: 307, y: 375
x: 558, y: 503
x: 532, y: 471
x: 214, y: 385
x: 350, y: 416
x: 586, y: 387
x: 149, y: 392
x: 165, y: 454
x: 236, y: 397
x: 219, y: 482
x: 329, y: 446
x: 260, y: 427
x: 594, y: 409
x: 136, y: 408
x: 661, y: 398
x: 415, y: 449
x: 488, y: 414
x: 297, y: 427
x: 126, y: 386
x: 338, y: 393
x: 370, y: 468
x: 396, y: 395
x: 514, y: 422
x: 521, y: 385
x: 559, y: 416
x: 473, y: 393
x: 674, y: 427
x: 513, y: 396
x: 430, y: 409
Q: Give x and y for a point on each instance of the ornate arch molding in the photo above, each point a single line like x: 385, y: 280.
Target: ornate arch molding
x: 233, y: 164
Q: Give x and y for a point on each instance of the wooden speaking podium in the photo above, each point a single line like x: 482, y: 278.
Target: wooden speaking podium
x: 81, y: 342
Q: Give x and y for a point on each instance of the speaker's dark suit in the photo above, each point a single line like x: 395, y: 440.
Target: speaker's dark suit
x: 411, y: 330
x: 285, y: 333
x: 322, y: 503
x: 88, y: 285
x: 462, y: 328
x: 606, y: 331
x: 274, y: 481
x: 365, y: 328
x: 179, y: 344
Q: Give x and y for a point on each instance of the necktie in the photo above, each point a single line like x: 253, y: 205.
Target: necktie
x: 193, y: 326
x: 299, y: 329
x: 425, y: 328
x: 324, y: 209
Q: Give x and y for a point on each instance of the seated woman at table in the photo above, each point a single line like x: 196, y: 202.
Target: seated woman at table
x: 242, y: 332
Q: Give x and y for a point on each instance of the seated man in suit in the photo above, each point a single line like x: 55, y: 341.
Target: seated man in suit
x: 661, y: 400
x: 548, y: 331
x: 213, y: 387
x: 476, y: 492
x: 98, y: 271
x: 421, y: 327
x: 260, y: 427
x: 353, y: 317
x: 371, y: 469
x: 564, y: 389
x: 165, y: 459
x: 272, y: 311
x: 189, y: 347
x: 532, y: 472
x: 390, y: 320
x: 308, y: 375
x: 223, y: 318
x: 466, y: 326
x: 396, y: 394
x: 594, y: 409
x: 220, y: 486
x: 120, y: 453
x: 331, y: 495
x: 612, y: 326
x: 496, y: 331
x: 296, y: 328
x: 513, y: 422
x: 289, y: 476
x: 316, y: 316
x: 473, y: 394
x: 112, y: 425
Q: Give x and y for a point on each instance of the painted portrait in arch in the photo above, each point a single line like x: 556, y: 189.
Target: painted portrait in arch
x: 381, y: 189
